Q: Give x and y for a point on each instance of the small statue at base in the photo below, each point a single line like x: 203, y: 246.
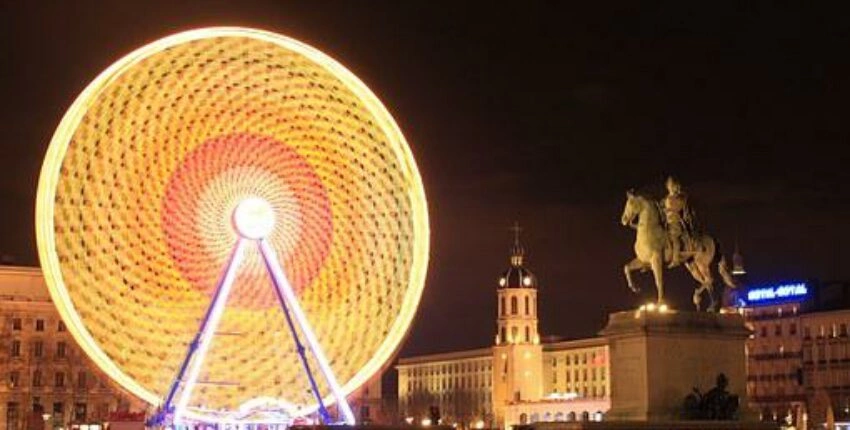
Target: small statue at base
x: 716, y: 404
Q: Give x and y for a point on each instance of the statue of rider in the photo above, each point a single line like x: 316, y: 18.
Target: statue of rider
x: 677, y: 215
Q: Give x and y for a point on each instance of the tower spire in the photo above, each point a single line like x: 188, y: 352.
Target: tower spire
x: 517, y: 251
x: 738, y: 261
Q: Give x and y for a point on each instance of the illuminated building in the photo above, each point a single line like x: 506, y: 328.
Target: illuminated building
x: 47, y: 381
x: 798, y: 357
x: 519, y: 379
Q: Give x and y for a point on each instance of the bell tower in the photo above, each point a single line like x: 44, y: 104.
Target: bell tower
x: 517, y: 354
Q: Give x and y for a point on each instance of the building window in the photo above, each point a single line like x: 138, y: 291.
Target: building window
x: 763, y: 331
x: 61, y: 326
x: 502, y: 306
x: 842, y: 330
x: 14, y: 378
x: 12, y: 414
x: 514, y: 334
x: 792, y: 329
x: 80, y: 412
x: 807, y: 332
x: 16, y: 348
x: 39, y: 325
x: 81, y: 380
x: 527, y: 307
x: 16, y: 324
x: 58, y: 409
x: 778, y: 330
x: 504, y: 335
x: 60, y: 349
x: 514, y: 306
x: 59, y: 380
x: 38, y: 349
x: 527, y: 334
x: 36, y: 378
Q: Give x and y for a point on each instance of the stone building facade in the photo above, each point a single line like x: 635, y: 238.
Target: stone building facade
x: 798, y: 356
x: 47, y: 381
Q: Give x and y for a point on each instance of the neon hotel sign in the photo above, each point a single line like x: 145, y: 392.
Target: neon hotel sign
x: 784, y: 292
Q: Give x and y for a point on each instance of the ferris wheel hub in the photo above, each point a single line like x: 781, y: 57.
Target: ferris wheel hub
x: 254, y: 218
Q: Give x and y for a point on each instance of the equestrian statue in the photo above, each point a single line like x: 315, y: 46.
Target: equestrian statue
x: 667, y: 234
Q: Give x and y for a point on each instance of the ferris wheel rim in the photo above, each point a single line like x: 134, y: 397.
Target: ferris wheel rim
x: 51, y: 175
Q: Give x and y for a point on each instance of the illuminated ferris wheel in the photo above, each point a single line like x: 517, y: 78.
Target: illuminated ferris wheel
x: 231, y: 223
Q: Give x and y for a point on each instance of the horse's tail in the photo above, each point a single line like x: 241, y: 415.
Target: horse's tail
x: 723, y: 266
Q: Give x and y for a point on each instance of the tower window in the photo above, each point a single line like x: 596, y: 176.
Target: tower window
x: 504, y: 335
x: 514, y: 334
x: 527, y: 334
x: 514, y: 306
x: 502, y: 307
x: 527, y: 308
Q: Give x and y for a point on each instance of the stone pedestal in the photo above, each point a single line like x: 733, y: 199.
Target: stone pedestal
x: 658, y: 358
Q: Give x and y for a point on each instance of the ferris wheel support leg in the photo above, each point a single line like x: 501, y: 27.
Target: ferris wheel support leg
x: 299, y: 347
x: 284, y: 288
x: 201, y: 343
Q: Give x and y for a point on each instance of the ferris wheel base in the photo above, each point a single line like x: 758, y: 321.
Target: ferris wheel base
x: 176, y: 412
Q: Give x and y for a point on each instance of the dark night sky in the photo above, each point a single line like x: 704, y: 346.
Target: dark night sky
x: 541, y: 113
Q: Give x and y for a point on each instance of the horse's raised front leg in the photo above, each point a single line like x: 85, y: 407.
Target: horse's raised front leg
x: 630, y: 267
x: 657, y: 265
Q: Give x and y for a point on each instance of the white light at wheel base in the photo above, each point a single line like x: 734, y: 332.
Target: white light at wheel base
x: 253, y: 218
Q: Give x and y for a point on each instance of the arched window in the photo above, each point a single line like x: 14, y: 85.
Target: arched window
x: 504, y: 335
x: 527, y: 308
x: 502, y: 307
x: 514, y: 335
x: 585, y: 416
x: 523, y: 419
x: 514, y: 306
x: 527, y: 334
x: 571, y: 416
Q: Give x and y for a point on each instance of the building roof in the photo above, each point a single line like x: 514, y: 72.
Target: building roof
x: 517, y: 275
x: 21, y: 283
x: 445, y: 356
x: 589, y: 342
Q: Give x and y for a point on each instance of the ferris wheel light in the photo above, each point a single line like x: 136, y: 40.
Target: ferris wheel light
x: 222, y: 162
x: 254, y: 218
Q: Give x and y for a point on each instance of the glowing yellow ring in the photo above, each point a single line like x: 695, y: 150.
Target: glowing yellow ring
x: 52, y: 178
